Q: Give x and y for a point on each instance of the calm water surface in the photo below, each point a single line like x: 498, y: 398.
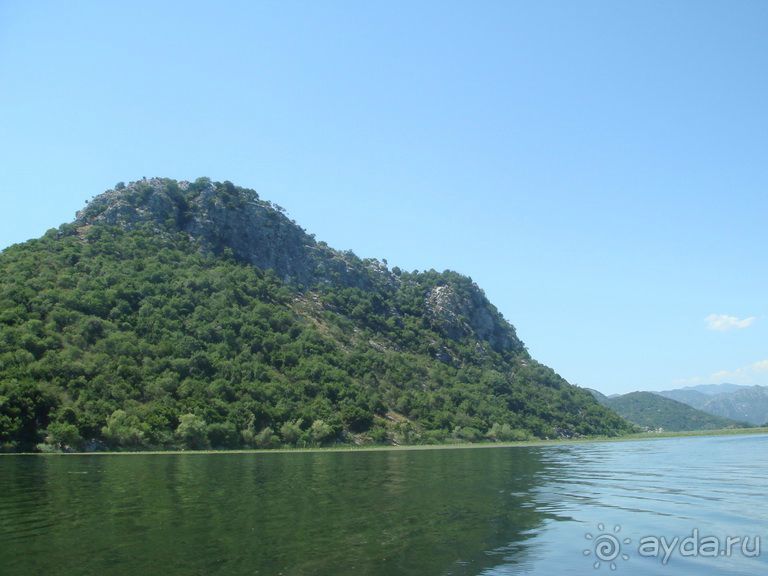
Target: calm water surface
x: 499, y: 511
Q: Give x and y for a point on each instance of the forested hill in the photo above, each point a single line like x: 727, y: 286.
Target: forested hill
x: 175, y: 314
x: 654, y: 412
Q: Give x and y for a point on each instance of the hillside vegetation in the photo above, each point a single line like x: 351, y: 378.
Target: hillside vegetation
x: 174, y: 314
x: 654, y: 412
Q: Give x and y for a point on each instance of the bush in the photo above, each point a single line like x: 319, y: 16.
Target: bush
x: 467, y: 434
x: 505, y: 433
x: 193, y: 432
x: 63, y: 436
x: 435, y: 437
x: 266, y: 438
x: 291, y: 432
x: 223, y: 435
x: 319, y: 432
x: 379, y: 435
x: 124, y: 430
x: 355, y: 418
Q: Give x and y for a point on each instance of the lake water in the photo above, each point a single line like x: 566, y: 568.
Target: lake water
x: 494, y: 511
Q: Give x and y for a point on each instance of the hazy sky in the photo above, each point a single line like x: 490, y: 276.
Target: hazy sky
x: 600, y: 169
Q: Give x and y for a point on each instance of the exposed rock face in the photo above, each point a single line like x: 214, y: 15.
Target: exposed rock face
x: 255, y: 233
x: 221, y: 217
x: 468, y: 313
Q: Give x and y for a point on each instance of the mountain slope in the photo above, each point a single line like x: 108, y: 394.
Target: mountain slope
x: 653, y: 412
x: 692, y: 398
x: 744, y: 403
x: 195, y: 314
x: 713, y: 389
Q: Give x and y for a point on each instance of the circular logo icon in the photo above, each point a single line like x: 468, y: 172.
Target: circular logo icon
x: 606, y: 547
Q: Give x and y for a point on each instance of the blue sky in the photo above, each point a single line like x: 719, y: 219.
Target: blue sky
x: 600, y: 169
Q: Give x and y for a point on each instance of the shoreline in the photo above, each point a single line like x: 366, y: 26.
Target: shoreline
x: 641, y: 436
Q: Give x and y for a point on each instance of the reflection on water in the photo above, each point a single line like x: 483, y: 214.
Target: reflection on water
x: 653, y: 489
x: 444, y: 512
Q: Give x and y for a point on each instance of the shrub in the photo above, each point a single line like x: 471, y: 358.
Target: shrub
x: 223, y: 435
x: 320, y: 432
x: 193, y: 432
x: 123, y: 430
x: 63, y: 435
x: 291, y: 432
x: 266, y: 438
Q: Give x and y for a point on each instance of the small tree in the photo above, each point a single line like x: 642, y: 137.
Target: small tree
x: 266, y: 438
x: 123, y: 429
x: 63, y: 435
x: 193, y: 432
x: 223, y: 435
x: 291, y: 432
x: 320, y: 431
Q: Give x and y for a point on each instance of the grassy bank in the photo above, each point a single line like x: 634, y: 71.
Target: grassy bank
x: 452, y: 446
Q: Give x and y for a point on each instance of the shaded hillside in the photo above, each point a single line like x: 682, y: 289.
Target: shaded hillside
x: 653, y: 412
x: 692, y: 398
x: 196, y: 314
x: 599, y: 396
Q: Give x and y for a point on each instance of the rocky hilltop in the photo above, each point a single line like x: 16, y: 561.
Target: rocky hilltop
x: 223, y: 217
x: 195, y: 314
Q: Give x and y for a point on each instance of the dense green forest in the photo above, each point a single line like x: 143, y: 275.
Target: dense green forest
x: 141, y: 325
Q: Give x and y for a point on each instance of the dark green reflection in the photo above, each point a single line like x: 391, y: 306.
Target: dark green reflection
x: 423, y: 512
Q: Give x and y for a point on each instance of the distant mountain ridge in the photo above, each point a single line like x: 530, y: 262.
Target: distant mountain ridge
x: 654, y: 412
x: 713, y: 389
x: 737, y: 402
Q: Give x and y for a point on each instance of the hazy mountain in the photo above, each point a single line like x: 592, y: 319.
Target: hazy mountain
x: 713, y: 389
x: 651, y: 411
x: 693, y: 398
x: 599, y: 396
x: 197, y: 314
x: 743, y: 403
